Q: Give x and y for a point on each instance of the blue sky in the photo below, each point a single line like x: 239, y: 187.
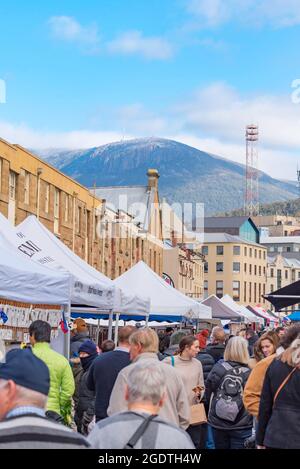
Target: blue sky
x: 81, y: 74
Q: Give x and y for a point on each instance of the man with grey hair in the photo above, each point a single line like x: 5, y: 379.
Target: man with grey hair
x: 24, y: 387
x: 144, y: 346
x: 140, y: 427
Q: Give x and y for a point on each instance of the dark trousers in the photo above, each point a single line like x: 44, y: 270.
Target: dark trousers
x: 231, y: 439
x: 198, y: 435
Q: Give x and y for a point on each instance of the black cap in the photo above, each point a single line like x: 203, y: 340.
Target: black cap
x: 26, y: 370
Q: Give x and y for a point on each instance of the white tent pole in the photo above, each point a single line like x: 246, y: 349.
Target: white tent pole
x: 117, y: 329
x: 97, y: 333
x: 147, y: 321
x: 67, y: 313
x: 110, y: 325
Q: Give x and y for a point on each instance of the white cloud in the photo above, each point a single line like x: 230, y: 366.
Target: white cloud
x: 277, y: 13
x: 134, y: 43
x: 212, y: 119
x: 31, y: 138
x: 68, y: 29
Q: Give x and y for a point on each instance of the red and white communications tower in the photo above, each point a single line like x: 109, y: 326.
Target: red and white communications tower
x: 252, y: 173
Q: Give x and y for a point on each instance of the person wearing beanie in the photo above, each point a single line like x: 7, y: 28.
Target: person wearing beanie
x: 79, y: 334
x: 85, y: 402
x: 24, y: 388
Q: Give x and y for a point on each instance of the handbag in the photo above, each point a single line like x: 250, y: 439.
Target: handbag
x: 198, y: 414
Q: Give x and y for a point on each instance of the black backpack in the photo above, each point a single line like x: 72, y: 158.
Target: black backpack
x: 227, y: 402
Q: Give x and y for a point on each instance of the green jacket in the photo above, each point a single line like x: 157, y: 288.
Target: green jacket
x: 62, y: 384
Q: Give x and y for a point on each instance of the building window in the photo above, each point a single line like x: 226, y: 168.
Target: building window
x: 26, y: 187
x: 255, y: 293
x: 47, y: 197
x: 205, y: 250
x: 250, y: 292
x: 205, y: 288
x: 56, y: 204
x: 299, y: 275
x: 245, y: 251
x: 286, y: 274
x: 264, y: 271
x: 255, y: 270
x: 12, y: 185
x: 255, y: 253
x: 245, y: 268
x: 264, y: 255
x: 245, y: 292
x: 206, y: 267
x: 219, y: 288
x: 250, y: 269
x: 236, y: 267
x: 259, y: 271
x: 288, y: 249
x: 220, y: 250
x: 236, y: 250
x: 272, y: 249
x: 280, y: 249
x: 79, y: 220
x: 250, y: 252
x: 67, y: 207
x: 272, y: 273
x: 236, y: 290
x: 259, y: 292
x: 260, y: 254
x: 220, y: 267
x: 120, y: 271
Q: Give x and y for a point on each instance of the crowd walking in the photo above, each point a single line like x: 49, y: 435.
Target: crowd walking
x: 143, y: 393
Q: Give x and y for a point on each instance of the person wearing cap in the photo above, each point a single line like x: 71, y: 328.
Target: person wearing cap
x: 79, y: 334
x: 85, y: 403
x: 62, y: 384
x: 24, y: 387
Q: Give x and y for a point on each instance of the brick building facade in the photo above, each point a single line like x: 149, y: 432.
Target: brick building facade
x: 30, y: 186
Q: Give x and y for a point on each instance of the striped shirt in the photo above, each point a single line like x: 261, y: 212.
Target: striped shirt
x: 31, y: 431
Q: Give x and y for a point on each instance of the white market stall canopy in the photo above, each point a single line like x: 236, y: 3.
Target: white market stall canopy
x: 240, y: 309
x: 23, y: 281
x: 89, y: 286
x: 167, y: 303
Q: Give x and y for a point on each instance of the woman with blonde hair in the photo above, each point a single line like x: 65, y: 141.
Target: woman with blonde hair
x: 279, y: 410
x: 230, y: 421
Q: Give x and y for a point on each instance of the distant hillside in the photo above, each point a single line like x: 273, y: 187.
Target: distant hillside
x: 289, y: 207
x: 187, y: 174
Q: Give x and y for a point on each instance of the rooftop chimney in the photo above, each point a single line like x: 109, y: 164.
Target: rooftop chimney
x: 153, y: 177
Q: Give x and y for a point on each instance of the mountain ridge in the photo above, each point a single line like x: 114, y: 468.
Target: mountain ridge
x: 187, y: 174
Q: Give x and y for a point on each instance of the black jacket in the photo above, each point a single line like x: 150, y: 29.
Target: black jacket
x: 76, y: 341
x: 214, y: 379
x: 279, y: 426
x: 207, y: 363
x: 102, y: 376
x: 216, y: 351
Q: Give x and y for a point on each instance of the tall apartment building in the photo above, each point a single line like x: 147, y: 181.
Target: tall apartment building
x: 236, y: 267
x: 281, y: 272
x: 30, y: 186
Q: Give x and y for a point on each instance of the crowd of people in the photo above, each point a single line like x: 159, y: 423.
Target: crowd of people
x: 143, y: 392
